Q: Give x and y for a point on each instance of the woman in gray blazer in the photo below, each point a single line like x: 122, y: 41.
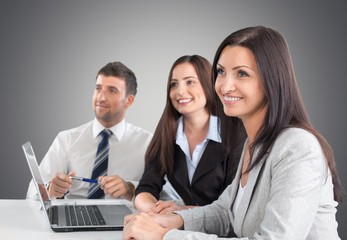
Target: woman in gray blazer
x: 286, y: 185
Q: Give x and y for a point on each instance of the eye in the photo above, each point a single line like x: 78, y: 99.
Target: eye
x: 220, y: 71
x: 173, y: 84
x: 113, y: 90
x: 97, y: 88
x: 242, y: 74
x: 190, y: 82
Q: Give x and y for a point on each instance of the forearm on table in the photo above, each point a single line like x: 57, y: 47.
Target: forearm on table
x: 144, y: 201
x: 130, y: 191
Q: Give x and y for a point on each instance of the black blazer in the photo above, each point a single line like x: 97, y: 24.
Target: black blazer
x: 212, y: 175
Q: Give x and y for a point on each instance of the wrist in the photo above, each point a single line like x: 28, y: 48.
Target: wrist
x: 130, y: 191
x: 179, y: 222
x: 164, y: 232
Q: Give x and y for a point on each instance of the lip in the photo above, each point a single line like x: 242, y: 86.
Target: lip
x: 184, y: 101
x: 231, y: 99
x: 101, y: 105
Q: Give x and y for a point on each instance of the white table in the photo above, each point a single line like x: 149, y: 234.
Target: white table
x: 22, y: 219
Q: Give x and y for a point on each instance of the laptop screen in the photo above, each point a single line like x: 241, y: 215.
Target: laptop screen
x: 37, y: 177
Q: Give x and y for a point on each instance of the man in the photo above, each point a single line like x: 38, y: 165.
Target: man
x: 74, y: 152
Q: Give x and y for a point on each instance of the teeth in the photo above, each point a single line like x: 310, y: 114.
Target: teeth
x: 231, y: 99
x: 184, y: 100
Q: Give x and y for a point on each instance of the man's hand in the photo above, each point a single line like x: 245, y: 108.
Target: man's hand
x: 60, y: 185
x: 116, y: 187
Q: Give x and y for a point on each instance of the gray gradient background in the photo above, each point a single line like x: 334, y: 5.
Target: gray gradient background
x: 51, y: 51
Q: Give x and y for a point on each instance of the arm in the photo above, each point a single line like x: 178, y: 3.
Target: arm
x: 149, y: 226
x: 298, y: 169
x: 189, y: 235
x: 288, y: 193
x: 153, y: 226
x: 149, y: 188
x: 163, y: 207
x: 145, y: 201
x: 146, y: 226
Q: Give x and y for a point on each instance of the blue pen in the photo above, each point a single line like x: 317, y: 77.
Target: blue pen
x: 84, y: 179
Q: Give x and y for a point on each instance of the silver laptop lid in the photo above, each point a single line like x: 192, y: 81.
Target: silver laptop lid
x: 37, y: 177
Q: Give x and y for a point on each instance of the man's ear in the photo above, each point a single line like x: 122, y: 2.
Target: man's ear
x: 129, y: 101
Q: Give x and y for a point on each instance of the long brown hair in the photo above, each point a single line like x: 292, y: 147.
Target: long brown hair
x: 162, y: 143
x: 286, y: 108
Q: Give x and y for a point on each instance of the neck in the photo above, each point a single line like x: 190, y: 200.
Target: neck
x: 253, y: 124
x: 107, y: 124
x: 196, y: 124
x: 196, y: 130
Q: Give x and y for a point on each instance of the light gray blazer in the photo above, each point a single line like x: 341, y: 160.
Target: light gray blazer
x: 288, y: 196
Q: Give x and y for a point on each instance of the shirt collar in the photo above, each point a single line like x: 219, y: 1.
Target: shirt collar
x: 213, y: 130
x: 118, y: 130
x: 212, y: 134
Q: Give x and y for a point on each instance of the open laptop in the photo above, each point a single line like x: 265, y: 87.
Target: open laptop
x: 71, y: 216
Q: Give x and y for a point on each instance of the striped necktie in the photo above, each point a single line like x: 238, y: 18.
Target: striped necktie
x: 100, y: 165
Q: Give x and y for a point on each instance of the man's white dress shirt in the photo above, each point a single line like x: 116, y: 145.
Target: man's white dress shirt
x: 75, y: 150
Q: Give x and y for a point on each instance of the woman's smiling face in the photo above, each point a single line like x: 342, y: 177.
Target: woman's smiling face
x: 238, y: 84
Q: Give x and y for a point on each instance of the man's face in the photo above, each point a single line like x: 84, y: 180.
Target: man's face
x: 110, y: 100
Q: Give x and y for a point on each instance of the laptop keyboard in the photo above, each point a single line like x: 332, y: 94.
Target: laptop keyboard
x: 79, y: 215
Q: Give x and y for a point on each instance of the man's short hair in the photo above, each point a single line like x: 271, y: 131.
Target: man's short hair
x: 118, y: 69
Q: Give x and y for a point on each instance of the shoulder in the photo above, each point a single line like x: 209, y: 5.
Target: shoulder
x: 295, y: 145
x: 298, y: 138
x: 77, y: 131
x: 137, y: 132
x: 67, y: 138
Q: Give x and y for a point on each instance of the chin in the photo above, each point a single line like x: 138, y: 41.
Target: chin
x: 230, y: 113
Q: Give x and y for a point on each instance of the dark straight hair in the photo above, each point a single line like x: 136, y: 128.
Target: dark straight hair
x: 286, y: 108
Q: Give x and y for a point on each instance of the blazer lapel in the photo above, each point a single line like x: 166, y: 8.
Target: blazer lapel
x: 214, y: 153
x: 180, y: 179
x: 236, y: 182
x: 247, y: 195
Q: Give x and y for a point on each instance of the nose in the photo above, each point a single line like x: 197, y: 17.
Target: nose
x: 102, y: 95
x: 228, y: 85
x: 181, y: 89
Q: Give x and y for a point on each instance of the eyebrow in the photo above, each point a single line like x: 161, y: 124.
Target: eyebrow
x: 237, y: 67
x: 107, y: 86
x: 220, y: 65
x: 112, y: 87
x: 185, y: 78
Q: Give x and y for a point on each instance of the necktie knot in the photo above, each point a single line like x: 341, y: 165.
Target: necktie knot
x: 106, y: 133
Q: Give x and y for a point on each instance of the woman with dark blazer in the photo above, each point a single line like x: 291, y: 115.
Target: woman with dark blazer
x: 186, y: 147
